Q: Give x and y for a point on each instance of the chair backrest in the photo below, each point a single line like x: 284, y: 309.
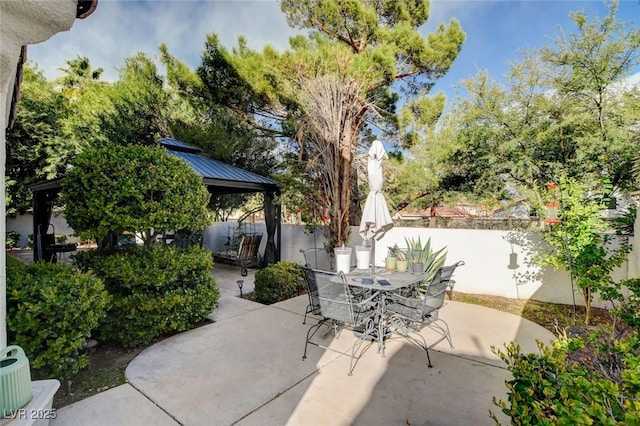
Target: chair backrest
x: 447, y: 273
x: 317, y: 258
x: 437, y: 288
x: 434, y: 295
x: 312, y: 290
x: 249, y: 245
x: 333, y: 296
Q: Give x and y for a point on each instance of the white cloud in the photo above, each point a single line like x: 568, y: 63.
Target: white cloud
x: 627, y: 84
x: 633, y: 80
x: 120, y: 29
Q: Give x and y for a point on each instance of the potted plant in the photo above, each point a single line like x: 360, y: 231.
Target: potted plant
x: 424, y: 258
x: 417, y: 265
x: 391, y: 260
x: 401, y: 258
x: 414, y: 255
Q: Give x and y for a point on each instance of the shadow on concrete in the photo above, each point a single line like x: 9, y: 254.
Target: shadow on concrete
x: 248, y: 370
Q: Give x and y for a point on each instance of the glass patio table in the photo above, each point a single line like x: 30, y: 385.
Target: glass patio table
x: 382, y: 283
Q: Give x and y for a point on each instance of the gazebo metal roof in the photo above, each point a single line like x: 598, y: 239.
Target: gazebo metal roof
x: 220, y: 177
x: 176, y: 145
x: 224, y: 178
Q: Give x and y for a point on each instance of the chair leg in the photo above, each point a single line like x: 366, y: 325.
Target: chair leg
x: 353, y: 355
x: 442, y: 330
x: 364, y: 338
x: 310, y: 336
x: 423, y: 344
x: 306, y: 312
x: 448, y: 333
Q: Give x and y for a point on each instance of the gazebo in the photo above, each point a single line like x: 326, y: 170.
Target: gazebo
x: 219, y: 177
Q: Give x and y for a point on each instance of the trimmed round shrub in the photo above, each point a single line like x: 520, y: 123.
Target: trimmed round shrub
x: 276, y: 282
x: 51, y: 311
x: 155, y: 292
x: 133, y: 189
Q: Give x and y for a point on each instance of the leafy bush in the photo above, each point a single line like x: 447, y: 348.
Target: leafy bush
x: 132, y: 189
x: 574, y: 382
x: 276, y: 282
x: 593, y: 379
x: 11, y: 239
x: 627, y: 307
x: 155, y: 292
x: 51, y: 311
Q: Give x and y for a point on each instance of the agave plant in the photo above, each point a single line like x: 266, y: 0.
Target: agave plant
x: 416, y: 252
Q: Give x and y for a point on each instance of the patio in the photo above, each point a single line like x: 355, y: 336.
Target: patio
x: 246, y: 369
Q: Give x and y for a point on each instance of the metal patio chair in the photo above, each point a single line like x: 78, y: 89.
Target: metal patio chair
x: 446, y: 275
x: 340, y: 310
x: 314, y: 258
x: 408, y: 316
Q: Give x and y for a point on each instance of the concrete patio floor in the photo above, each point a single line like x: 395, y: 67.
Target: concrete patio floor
x: 246, y: 368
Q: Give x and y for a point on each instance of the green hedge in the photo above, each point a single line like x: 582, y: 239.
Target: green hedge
x: 155, y: 292
x: 628, y: 308
x: 276, y: 282
x: 51, y: 311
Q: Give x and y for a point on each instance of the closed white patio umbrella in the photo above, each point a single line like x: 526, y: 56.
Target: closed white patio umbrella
x: 376, y: 220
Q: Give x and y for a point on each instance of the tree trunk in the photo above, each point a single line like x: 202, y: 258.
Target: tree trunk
x: 355, y: 211
x: 333, y: 107
x: 587, y: 305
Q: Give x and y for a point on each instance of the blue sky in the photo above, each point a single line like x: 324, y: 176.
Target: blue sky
x: 496, y: 31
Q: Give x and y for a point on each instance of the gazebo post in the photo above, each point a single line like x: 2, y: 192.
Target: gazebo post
x: 42, y: 209
x: 272, y: 222
x: 279, y: 231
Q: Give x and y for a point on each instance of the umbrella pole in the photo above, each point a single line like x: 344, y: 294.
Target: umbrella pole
x: 315, y: 244
x: 373, y: 257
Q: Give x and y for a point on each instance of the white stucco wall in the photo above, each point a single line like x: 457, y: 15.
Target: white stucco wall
x: 487, y: 257
x: 486, y: 253
x: 22, y: 22
x: 23, y: 224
